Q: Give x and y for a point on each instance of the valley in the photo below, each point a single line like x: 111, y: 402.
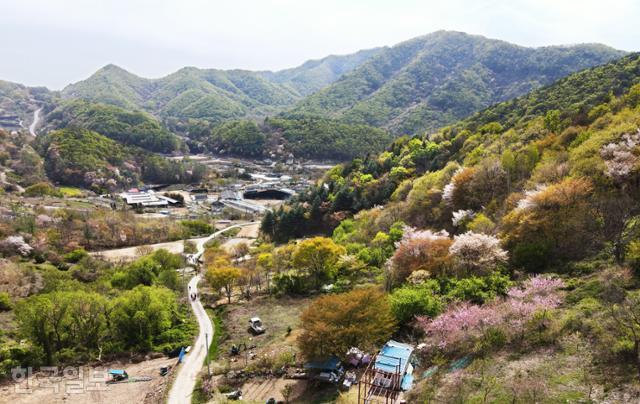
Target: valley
x: 452, y: 218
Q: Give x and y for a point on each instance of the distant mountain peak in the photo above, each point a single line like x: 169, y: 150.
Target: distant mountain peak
x: 433, y: 80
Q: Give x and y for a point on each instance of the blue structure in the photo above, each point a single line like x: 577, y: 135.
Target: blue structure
x: 330, y: 370
x: 389, y: 374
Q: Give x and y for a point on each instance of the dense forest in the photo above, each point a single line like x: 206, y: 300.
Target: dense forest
x: 434, y: 80
x: 510, y: 128
x: 211, y: 94
x: 128, y: 128
x: 305, y: 137
x: 456, y: 226
x: 85, y: 158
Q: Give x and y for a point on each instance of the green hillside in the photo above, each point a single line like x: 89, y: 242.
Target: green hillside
x: 80, y: 157
x: 128, y: 128
x: 313, y: 75
x: 211, y: 94
x: 458, y: 226
x: 434, y: 80
x: 309, y: 138
x: 17, y: 102
x: 514, y: 133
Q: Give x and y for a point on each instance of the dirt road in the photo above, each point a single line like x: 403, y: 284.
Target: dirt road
x: 36, y: 119
x: 130, y: 253
x: 188, y: 371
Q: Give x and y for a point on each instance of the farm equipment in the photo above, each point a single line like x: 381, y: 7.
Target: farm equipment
x: 118, y: 375
x: 255, y: 326
x: 165, y: 370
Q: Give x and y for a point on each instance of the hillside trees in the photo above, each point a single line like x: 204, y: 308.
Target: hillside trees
x: 64, y: 325
x: 555, y: 223
x: 318, y: 257
x: 626, y: 317
x: 477, y: 253
x: 461, y: 326
x: 238, y: 137
x: 141, y: 316
x: 85, y: 158
x: 334, y: 323
x: 220, y: 273
x: 126, y: 127
x: 421, y: 250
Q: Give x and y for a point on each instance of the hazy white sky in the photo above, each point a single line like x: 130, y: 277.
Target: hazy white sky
x: 55, y: 42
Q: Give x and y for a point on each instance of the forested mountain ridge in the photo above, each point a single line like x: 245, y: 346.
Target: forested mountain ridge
x: 213, y: 94
x: 434, y: 80
x: 313, y: 75
x: 81, y: 157
x: 513, y: 133
x: 129, y: 127
x: 459, y: 224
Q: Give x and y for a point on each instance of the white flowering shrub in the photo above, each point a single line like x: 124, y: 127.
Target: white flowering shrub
x: 477, y: 252
x: 528, y: 202
x: 15, y: 245
x: 460, y: 216
x: 450, y: 188
x: 621, y: 159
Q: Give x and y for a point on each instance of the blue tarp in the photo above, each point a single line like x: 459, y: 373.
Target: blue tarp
x: 429, y: 372
x: 330, y: 364
x: 394, y: 357
x: 181, y: 355
x: 460, y: 363
x: 117, y: 372
x: 407, y: 382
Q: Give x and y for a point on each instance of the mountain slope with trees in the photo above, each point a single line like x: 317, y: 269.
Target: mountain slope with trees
x: 434, y: 80
x: 508, y: 246
x: 126, y: 127
x: 313, y: 75
x: 212, y: 94
x: 80, y: 157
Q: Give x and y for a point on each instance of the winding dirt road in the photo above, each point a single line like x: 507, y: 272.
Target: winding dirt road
x: 36, y: 119
x: 188, y: 372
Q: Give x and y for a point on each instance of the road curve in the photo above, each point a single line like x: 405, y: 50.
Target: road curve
x: 188, y: 372
x: 36, y: 119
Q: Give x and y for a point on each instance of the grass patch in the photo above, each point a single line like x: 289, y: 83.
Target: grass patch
x: 198, y: 396
x: 70, y: 192
x: 220, y: 333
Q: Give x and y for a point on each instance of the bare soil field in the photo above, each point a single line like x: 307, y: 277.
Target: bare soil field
x: 92, y: 388
x: 130, y: 253
x: 277, y: 316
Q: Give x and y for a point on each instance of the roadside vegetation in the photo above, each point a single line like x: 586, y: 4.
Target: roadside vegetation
x: 503, y: 247
x: 92, y: 311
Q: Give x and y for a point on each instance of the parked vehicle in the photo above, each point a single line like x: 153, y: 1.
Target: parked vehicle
x: 234, y: 395
x: 255, y: 326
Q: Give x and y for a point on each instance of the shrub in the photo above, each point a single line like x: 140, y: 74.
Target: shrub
x: 5, y: 301
x: 42, y: 189
x: 193, y: 228
x: 75, y: 255
x: 410, y: 301
x: 334, y: 323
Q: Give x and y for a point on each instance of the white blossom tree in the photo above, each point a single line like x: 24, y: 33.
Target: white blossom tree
x: 477, y: 252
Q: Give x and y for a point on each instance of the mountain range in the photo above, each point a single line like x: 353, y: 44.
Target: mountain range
x: 423, y: 83
x: 431, y: 81
x: 211, y: 94
x: 418, y: 85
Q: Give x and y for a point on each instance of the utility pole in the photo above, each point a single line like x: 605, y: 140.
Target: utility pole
x: 206, y: 338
